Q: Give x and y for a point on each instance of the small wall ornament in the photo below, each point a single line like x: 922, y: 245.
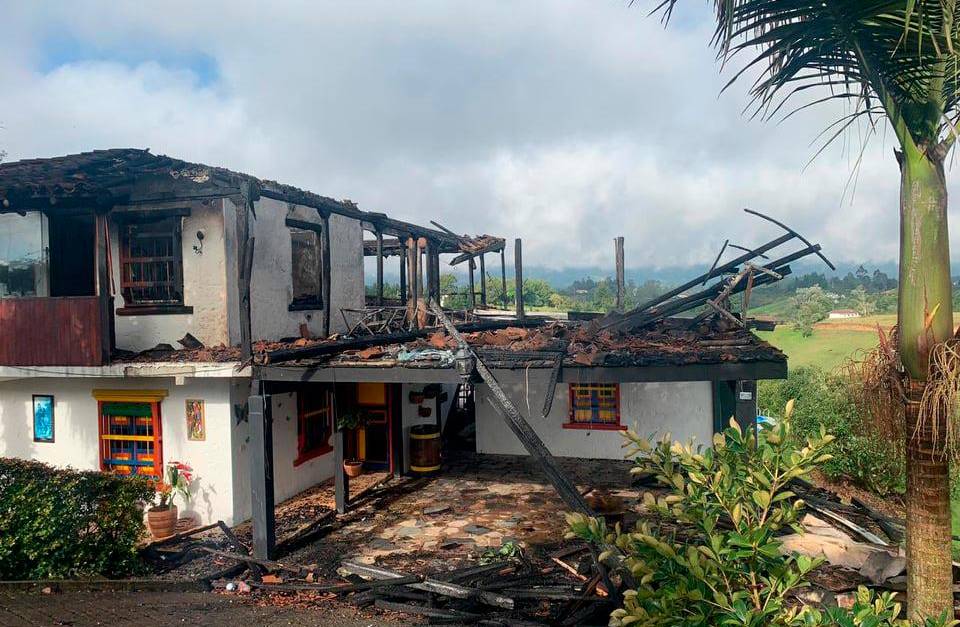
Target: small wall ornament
x: 43, y: 426
x: 196, y: 422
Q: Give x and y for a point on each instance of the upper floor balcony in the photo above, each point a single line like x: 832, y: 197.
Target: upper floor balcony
x: 51, y: 310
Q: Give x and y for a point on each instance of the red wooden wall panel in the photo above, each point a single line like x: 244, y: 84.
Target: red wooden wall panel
x: 50, y: 331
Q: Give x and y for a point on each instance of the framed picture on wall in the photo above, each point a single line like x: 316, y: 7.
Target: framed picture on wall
x: 43, y: 425
x: 196, y: 425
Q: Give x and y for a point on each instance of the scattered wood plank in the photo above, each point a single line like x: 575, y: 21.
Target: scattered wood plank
x: 436, y: 586
x: 421, y: 610
x: 267, y: 564
x: 867, y: 535
x: 180, y: 536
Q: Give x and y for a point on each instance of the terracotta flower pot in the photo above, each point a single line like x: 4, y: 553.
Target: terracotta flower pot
x: 162, y: 521
x: 353, y: 468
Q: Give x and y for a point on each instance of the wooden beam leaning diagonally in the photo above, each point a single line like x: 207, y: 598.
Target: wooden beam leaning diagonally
x: 520, y: 427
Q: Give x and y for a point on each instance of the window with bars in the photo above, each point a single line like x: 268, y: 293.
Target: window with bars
x: 130, y: 438
x: 305, y: 264
x: 151, y: 263
x: 594, y: 406
x: 314, y: 424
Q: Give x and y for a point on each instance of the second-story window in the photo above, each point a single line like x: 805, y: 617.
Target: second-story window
x: 151, y: 265
x: 305, y: 264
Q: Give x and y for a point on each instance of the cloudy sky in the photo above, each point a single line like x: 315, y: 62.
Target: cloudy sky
x: 565, y: 123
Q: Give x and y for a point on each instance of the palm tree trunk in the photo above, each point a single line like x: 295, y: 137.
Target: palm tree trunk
x: 925, y: 289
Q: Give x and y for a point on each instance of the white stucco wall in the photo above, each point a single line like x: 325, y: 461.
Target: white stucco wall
x: 685, y: 410
x: 272, y: 287
x: 288, y: 478
x: 76, y: 432
x: 210, y: 285
x: 204, y: 287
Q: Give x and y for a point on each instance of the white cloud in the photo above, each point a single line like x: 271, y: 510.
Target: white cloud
x: 566, y: 124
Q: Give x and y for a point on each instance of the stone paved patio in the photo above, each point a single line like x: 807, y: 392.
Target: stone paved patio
x: 476, y: 503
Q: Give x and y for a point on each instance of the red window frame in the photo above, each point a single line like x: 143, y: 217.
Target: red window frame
x: 305, y: 413
x: 105, y: 440
x: 572, y: 423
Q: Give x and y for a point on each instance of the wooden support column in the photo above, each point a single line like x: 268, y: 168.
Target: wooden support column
x: 746, y: 408
x: 104, y: 295
x: 483, y: 282
x: 325, y: 269
x: 379, y: 267
x: 430, y: 270
x: 395, y: 394
x: 436, y: 273
x: 621, y: 284
x: 413, y: 285
x: 341, y: 482
x: 403, y: 275
x: 503, y: 277
x: 518, y: 282
x: 472, y: 296
x: 245, y: 247
x: 261, y: 476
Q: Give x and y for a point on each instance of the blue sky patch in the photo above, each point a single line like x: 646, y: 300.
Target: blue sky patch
x: 63, y: 48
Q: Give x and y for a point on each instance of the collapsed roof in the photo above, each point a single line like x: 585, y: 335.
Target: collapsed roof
x: 119, y: 176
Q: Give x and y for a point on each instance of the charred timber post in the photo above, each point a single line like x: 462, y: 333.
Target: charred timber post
x: 248, y: 195
x: 621, y: 287
x: 341, y: 482
x: 325, y: 269
x: 428, y: 259
x: 261, y: 476
x: 520, y: 427
x: 403, y: 274
x: 413, y: 257
x: 518, y: 282
x: 472, y: 295
x: 483, y: 282
x: 379, y: 267
x: 104, y: 296
x: 503, y: 277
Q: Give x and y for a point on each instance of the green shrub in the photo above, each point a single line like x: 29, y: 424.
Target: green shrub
x: 825, y: 399
x: 710, y: 553
x: 63, y: 523
x: 722, y: 565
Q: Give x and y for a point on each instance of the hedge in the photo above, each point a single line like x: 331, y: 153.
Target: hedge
x: 57, y: 523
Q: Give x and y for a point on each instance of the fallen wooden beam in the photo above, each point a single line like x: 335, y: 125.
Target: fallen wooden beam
x: 428, y: 584
x: 297, y: 586
x: 518, y: 424
x: 269, y: 565
x: 422, y: 610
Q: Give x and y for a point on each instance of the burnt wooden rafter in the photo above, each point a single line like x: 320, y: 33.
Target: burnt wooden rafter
x: 124, y: 176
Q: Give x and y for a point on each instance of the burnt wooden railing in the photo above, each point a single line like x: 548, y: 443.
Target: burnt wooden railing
x: 51, y: 331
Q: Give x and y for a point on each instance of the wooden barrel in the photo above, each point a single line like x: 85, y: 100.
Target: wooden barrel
x: 424, y: 449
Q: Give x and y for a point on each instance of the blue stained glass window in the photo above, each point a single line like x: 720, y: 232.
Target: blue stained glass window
x: 42, y: 418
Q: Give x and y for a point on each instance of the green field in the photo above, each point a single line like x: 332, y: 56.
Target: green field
x: 833, y: 341
x: 827, y: 348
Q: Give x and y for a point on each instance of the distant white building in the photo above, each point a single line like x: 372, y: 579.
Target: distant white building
x: 840, y: 314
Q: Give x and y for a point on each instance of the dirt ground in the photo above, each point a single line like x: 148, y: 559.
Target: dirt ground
x: 166, y: 609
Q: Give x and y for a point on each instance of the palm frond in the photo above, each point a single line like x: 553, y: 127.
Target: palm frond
x: 899, y: 55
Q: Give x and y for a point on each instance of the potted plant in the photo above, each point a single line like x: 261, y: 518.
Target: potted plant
x: 162, y: 518
x: 349, y: 422
x: 353, y: 467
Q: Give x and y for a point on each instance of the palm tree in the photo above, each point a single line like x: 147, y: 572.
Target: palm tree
x: 895, y: 60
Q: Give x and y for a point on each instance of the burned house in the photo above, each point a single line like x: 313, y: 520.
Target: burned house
x: 154, y: 310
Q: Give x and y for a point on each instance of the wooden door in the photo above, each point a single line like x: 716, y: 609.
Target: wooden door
x: 376, y: 439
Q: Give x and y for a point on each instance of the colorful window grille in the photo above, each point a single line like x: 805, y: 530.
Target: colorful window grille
x: 130, y: 432
x: 314, y: 424
x: 594, y: 406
